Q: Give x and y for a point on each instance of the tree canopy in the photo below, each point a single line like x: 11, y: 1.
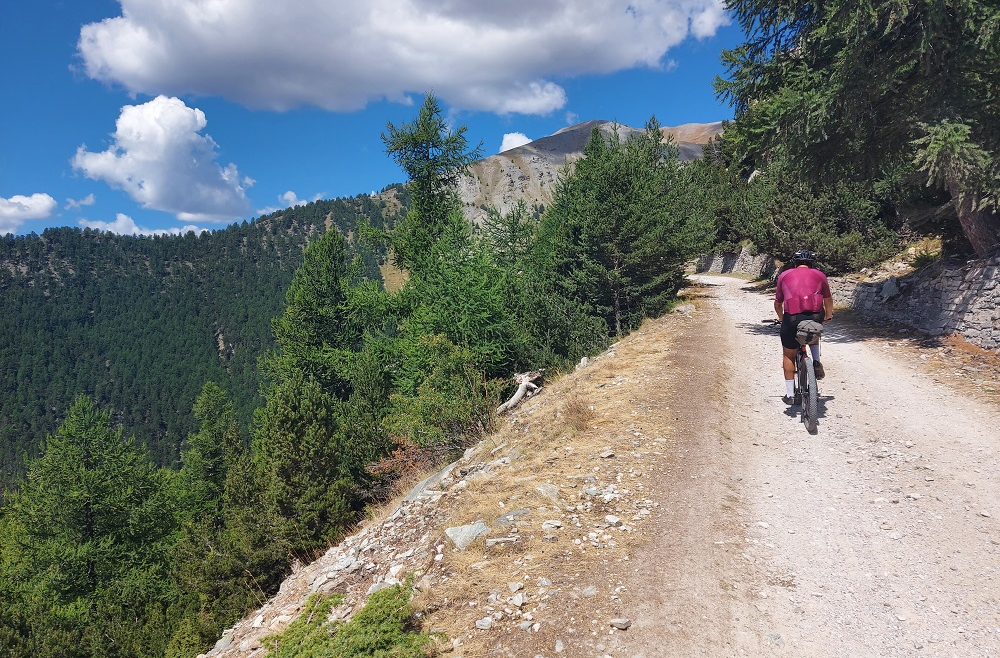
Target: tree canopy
x: 433, y: 157
x: 84, y: 547
x: 875, y: 90
x: 620, y: 230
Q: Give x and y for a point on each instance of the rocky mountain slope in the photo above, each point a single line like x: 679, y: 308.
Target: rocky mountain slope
x: 527, y: 537
x: 530, y: 172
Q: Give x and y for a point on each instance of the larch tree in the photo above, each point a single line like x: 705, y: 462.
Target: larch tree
x: 875, y: 90
x: 433, y: 157
x: 83, y: 560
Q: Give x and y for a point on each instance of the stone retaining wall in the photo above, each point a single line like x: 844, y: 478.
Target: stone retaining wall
x: 960, y: 297
x: 745, y: 262
x: 948, y: 297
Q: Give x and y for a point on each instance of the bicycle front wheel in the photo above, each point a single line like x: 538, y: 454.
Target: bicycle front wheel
x: 810, y: 402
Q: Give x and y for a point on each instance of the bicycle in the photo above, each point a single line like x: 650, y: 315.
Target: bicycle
x: 805, y: 386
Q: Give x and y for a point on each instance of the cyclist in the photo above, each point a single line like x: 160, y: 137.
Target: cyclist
x: 803, y: 293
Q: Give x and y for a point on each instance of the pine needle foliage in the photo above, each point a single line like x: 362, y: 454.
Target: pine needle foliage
x: 620, y: 230
x: 874, y: 90
x: 384, y: 628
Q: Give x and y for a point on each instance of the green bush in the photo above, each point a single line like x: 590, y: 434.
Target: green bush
x: 841, y: 223
x: 443, y: 397
x: 384, y: 628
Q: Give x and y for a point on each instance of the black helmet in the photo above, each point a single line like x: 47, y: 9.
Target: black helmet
x: 803, y: 257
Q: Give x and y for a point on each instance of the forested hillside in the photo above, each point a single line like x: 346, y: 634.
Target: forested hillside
x: 141, y: 323
x: 104, y: 554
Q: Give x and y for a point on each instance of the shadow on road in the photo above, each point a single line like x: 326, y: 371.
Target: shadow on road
x: 795, y: 411
x: 832, y: 332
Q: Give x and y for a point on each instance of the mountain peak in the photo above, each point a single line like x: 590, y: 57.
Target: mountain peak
x: 530, y: 171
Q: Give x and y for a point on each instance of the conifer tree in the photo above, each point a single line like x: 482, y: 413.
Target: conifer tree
x: 617, y: 231
x: 433, y: 157
x: 309, y: 470
x: 452, y: 325
x: 314, y: 326
x: 83, y: 559
x: 875, y: 90
x: 209, y: 452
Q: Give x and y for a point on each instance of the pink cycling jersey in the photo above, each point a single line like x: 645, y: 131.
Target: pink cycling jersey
x: 802, y: 290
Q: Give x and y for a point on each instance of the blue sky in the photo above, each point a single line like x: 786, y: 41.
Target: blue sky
x: 143, y: 116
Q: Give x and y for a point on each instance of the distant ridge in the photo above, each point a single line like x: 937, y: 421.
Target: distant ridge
x: 530, y: 171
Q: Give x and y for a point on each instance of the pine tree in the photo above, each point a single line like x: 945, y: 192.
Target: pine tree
x: 872, y: 91
x: 209, y: 452
x: 617, y: 233
x: 309, y: 467
x: 314, y: 325
x: 84, y: 552
x: 229, y: 553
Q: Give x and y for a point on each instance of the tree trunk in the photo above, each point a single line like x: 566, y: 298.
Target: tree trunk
x: 618, y: 312
x: 981, y: 226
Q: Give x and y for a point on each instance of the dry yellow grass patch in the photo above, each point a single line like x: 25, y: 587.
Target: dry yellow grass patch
x: 546, y: 454
x: 393, y: 278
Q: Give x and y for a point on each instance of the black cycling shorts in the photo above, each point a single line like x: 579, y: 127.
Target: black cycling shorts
x: 790, y: 324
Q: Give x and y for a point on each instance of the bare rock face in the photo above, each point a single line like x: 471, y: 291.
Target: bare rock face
x: 530, y: 172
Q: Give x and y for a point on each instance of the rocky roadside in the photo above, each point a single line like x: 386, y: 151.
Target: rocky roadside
x: 521, y: 547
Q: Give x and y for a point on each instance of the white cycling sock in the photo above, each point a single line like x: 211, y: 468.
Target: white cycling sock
x: 815, y: 351
x: 789, y: 387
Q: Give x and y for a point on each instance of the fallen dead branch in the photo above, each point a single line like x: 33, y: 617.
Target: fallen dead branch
x: 526, y: 382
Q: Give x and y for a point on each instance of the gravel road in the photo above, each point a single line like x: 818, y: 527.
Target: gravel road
x: 878, y: 536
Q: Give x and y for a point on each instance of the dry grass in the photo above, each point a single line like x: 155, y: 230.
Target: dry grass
x: 554, y: 443
x: 392, y: 277
x: 576, y: 413
x: 380, y: 511
x: 924, y: 252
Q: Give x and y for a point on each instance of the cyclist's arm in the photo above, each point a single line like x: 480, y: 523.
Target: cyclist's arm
x: 779, y: 310
x: 828, y: 308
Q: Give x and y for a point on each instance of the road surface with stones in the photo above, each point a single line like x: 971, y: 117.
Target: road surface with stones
x: 877, y: 536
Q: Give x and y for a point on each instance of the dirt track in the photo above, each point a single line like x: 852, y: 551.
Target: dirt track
x: 878, y: 536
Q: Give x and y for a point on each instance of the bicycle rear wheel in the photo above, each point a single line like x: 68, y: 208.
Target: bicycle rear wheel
x: 801, y: 379
x: 810, y: 403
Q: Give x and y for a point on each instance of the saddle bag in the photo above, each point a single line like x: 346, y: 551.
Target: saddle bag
x: 809, y: 332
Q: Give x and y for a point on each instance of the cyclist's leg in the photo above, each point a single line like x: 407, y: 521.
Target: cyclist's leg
x: 818, y: 366
x: 788, y: 362
x: 789, y: 347
x: 814, y: 349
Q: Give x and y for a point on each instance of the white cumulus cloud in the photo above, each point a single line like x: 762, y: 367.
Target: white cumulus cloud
x: 76, y: 204
x: 513, y: 140
x: 289, y: 200
x: 125, y: 225
x: 340, y: 55
x: 20, y: 208
x: 160, y: 158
